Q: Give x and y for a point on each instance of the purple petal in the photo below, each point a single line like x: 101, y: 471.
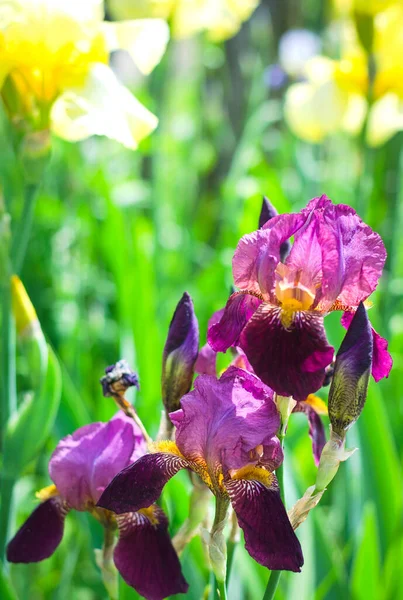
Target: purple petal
x: 141, y: 484
x: 180, y: 353
x: 224, y: 421
x: 40, y: 535
x: 353, y: 255
x: 206, y: 363
x: 269, y: 212
x: 351, y: 373
x: 145, y: 557
x: 269, y: 537
x: 316, y: 429
x: 258, y: 254
x: 85, y: 462
x: 291, y: 361
x: 382, y: 361
x: 238, y: 310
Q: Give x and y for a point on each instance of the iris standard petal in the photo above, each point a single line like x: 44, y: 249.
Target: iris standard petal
x: 269, y: 537
x: 351, y: 373
x: 258, y: 254
x: 238, y: 310
x: 144, y: 39
x: 290, y: 360
x: 40, y: 535
x: 101, y: 106
x: 140, y: 485
x: 382, y: 361
x: 222, y: 422
x: 84, y: 463
x: 145, y: 557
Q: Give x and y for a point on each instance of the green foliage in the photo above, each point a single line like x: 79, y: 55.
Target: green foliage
x: 119, y: 236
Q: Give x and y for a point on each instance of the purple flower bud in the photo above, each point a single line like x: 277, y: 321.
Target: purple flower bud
x: 269, y: 212
x: 351, y: 373
x: 118, y: 378
x: 180, y: 354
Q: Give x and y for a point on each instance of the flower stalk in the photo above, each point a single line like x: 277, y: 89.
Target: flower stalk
x: 106, y: 564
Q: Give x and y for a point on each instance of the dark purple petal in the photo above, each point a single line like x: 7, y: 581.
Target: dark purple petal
x: 40, y: 535
x: 269, y: 537
x: 269, y: 212
x: 180, y: 353
x: 118, y: 378
x: 292, y: 360
x: 382, y: 361
x: 85, y: 462
x: 238, y: 310
x: 224, y: 421
x: 141, y: 484
x: 351, y: 373
x: 145, y: 557
x: 316, y: 429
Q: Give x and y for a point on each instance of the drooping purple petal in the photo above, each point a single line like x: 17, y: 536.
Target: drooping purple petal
x: 258, y: 254
x: 291, y: 361
x: 40, y: 535
x: 382, y: 361
x: 269, y: 537
x: 223, y: 421
x: 180, y: 353
x: 140, y: 485
x: 351, y: 373
x: 238, y: 310
x: 85, y: 462
x: 316, y: 429
x: 145, y: 557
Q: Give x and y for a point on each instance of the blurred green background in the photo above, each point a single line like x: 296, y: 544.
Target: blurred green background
x: 119, y: 235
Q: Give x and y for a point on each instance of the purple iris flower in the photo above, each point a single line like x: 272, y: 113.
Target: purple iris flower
x: 81, y: 467
x: 226, y: 433
x: 277, y: 316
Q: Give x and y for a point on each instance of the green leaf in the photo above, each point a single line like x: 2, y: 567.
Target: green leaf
x: 28, y: 431
x: 366, y: 568
x: 6, y: 590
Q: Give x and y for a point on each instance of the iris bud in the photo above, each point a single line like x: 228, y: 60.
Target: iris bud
x: 352, y: 369
x: 118, y: 378
x: 267, y: 212
x: 180, y: 353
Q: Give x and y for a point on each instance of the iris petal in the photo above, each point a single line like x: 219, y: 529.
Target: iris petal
x: 238, y: 310
x: 40, y: 535
x: 145, y: 557
x: 291, y: 361
x: 269, y: 537
x: 140, y: 485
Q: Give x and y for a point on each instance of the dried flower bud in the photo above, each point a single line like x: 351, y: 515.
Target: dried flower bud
x: 351, y: 373
x: 180, y: 353
x: 267, y: 212
x: 118, y: 378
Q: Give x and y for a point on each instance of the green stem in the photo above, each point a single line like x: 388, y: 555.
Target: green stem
x: 221, y: 590
x: 23, y: 230
x: 6, y: 489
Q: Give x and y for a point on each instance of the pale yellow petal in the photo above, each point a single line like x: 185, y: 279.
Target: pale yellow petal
x: 144, y: 39
x: 102, y: 107
x: 385, y: 119
x: 312, y: 112
x: 354, y: 116
x: 141, y: 9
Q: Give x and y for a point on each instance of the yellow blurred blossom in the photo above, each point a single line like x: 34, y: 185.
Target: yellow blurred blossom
x: 334, y: 94
x: 367, y: 7
x: 54, y: 68
x: 221, y: 19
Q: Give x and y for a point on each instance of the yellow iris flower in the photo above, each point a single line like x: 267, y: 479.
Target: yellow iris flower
x: 221, y: 19
x: 334, y: 95
x: 54, y: 68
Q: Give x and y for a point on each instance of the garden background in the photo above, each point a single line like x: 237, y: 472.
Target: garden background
x: 119, y: 235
